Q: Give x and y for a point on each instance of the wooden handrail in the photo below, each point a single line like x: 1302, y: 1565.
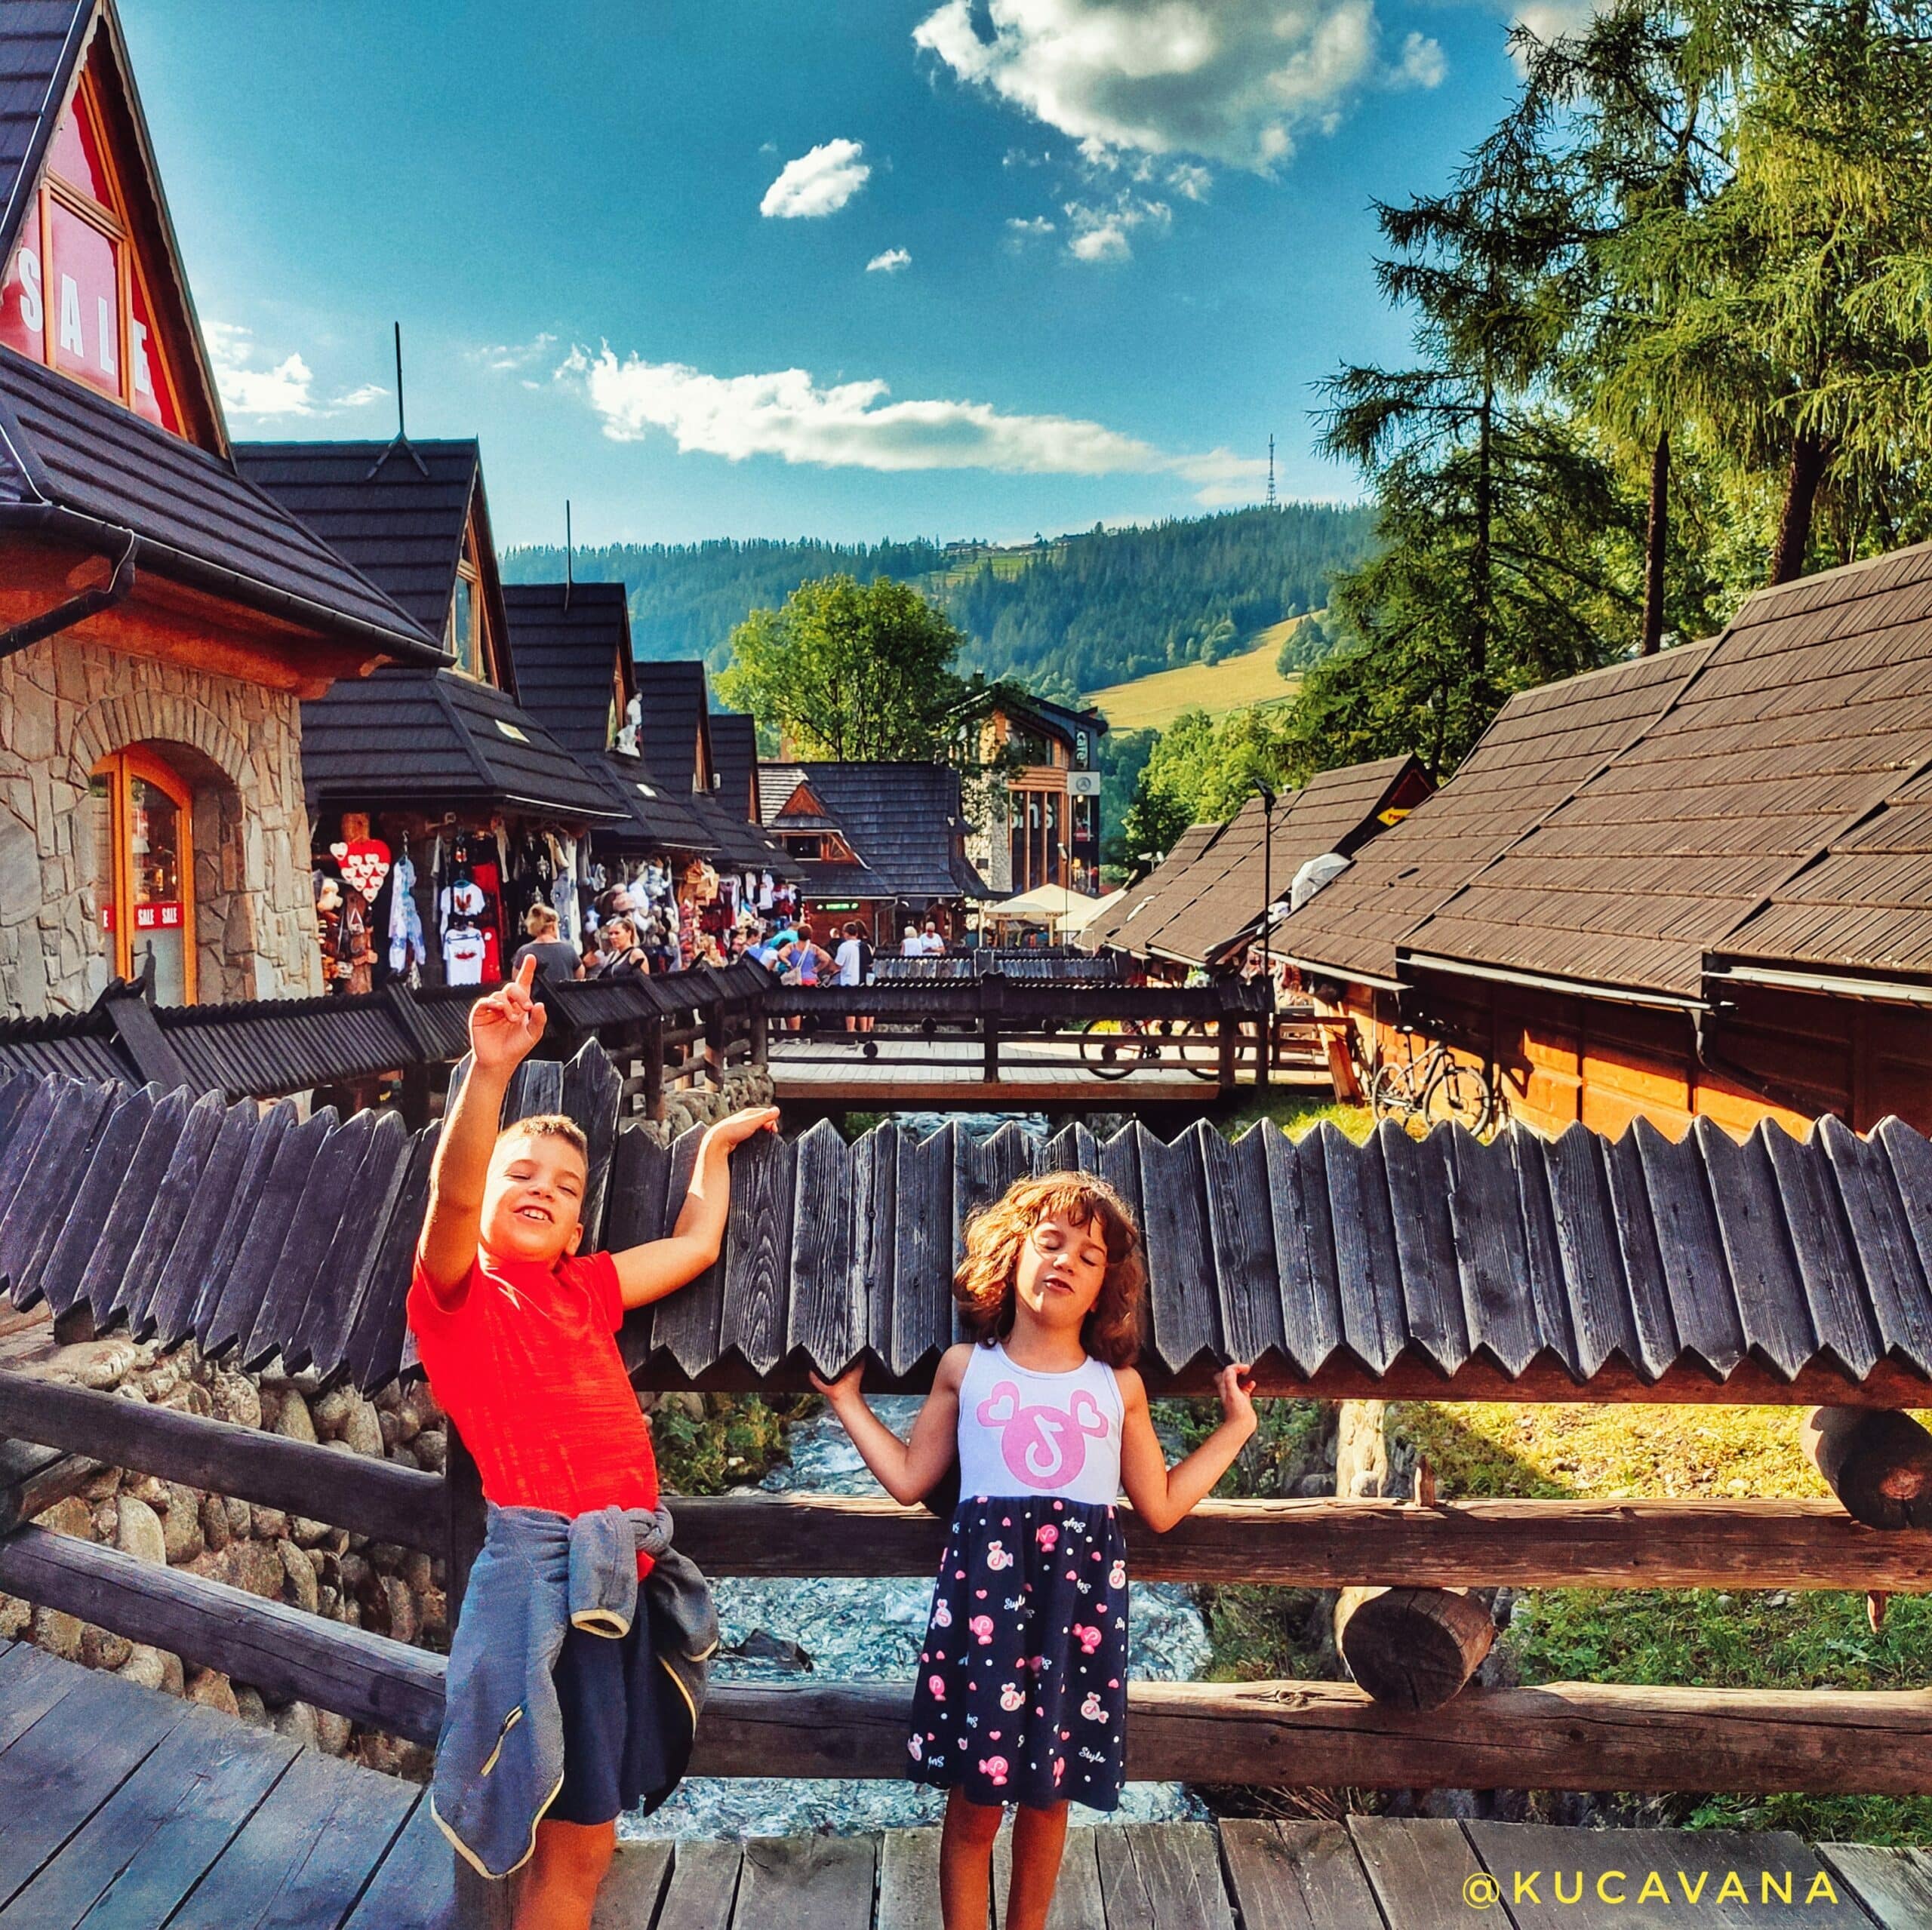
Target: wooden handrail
x: 378, y: 1498
x: 1338, y: 1544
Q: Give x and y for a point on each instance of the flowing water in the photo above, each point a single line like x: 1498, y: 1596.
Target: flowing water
x: 869, y: 1630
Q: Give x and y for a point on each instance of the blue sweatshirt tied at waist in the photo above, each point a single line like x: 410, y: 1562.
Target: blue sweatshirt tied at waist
x: 500, y: 1758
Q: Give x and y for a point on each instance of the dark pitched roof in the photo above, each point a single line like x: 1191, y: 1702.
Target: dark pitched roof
x: 655, y: 817
x: 1060, y: 718
x: 674, y: 713
x: 40, y: 40
x: 735, y: 746
x: 570, y: 657
x: 1865, y: 904
x: 903, y: 821
x: 70, y: 453
x: 1207, y: 905
x: 404, y: 738
x: 1544, y: 744
x: 1813, y: 705
x: 1112, y: 927
x: 401, y: 527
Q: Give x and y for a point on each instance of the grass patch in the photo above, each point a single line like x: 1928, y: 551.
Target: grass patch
x: 1153, y: 702
x: 1296, y: 1113
x: 707, y: 1443
x: 1701, y: 1637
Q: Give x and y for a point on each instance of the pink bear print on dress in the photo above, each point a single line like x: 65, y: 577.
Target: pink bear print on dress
x: 982, y: 1627
x: 1091, y: 1708
x: 1089, y: 1639
x: 917, y: 1748
x: 942, y: 1615
x: 997, y: 1557
x: 1046, y: 1535
x: 1044, y: 1446
x: 936, y: 1683
x: 1117, y: 1575
x: 1012, y: 1697
x: 994, y: 1767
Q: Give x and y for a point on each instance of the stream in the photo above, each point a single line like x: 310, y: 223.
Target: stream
x: 869, y: 1630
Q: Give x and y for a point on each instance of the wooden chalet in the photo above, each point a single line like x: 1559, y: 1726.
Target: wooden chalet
x: 1205, y: 902
x: 160, y: 620
x: 883, y: 845
x: 1044, y: 828
x: 445, y: 766
x: 1691, y: 885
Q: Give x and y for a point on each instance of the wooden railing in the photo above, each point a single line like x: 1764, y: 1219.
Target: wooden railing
x: 1559, y: 1736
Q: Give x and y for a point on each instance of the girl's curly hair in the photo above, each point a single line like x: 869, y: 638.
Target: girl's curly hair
x: 983, y: 1286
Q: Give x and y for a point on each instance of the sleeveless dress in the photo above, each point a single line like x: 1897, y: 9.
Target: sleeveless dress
x: 1021, y: 1690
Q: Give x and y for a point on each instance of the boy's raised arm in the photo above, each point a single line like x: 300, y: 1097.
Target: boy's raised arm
x: 649, y: 1272
x: 503, y: 1028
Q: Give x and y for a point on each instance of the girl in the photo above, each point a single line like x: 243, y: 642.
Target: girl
x: 1022, y: 1692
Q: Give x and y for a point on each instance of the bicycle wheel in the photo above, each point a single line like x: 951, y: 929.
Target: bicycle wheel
x: 1200, y: 1049
x: 1389, y: 1096
x: 1105, y: 1054
x: 1461, y: 1094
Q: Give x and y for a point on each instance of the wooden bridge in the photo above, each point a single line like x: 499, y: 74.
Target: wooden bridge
x: 1782, y: 1270
x: 122, y: 1808
x: 1004, y: 1041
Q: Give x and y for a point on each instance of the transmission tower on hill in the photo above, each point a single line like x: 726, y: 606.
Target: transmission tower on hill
x: 1270, y: 472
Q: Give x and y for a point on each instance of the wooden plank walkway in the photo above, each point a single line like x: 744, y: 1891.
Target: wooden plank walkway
x: 122, y: 1809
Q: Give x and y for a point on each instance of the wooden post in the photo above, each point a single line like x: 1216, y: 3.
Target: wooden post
x: 652, y: 1047
x: 1877, y: 1460
x: 761, y: 1032
x: 715, y: 1058
x: 1227, y: 1036
x: 992, y: 1003
x: 1264, y: 1033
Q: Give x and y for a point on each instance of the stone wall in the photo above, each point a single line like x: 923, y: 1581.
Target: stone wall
x: 63, y: 706
x: 324, y: 1570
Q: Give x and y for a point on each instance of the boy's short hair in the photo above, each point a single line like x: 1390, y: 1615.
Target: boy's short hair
x: 551, y: 1125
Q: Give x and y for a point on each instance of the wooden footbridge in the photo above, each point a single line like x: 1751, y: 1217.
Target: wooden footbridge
x: 1780, y: 1269
x: 121, y: 1808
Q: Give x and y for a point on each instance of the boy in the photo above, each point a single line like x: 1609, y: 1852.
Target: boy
x: 518, y: 1333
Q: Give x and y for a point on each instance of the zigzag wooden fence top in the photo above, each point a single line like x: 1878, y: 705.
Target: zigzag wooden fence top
x: 1528, y: 1268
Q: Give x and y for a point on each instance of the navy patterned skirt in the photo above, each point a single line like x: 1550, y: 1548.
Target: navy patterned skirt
x: 1022, y: 1693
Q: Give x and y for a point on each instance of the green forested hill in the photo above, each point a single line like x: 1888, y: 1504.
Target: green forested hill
x: 1068, y: 614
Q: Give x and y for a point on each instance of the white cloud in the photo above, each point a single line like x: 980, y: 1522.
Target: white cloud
x: 852, y: 425
x: 819, y: 183
x: 889, y: 263
x: 1191, y: 182
x: 1029, y: 228
x: 286, y: 388
x: 1099, y: 231
x: 1229, y: 81
x: 506, y: 358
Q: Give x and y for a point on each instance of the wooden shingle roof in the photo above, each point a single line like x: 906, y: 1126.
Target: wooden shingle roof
x: 40, y: 43
x: 406, y: 739
x: 1778, y: 1269
x: 1204, y: 905
x: 1811, y: 708
x: 902, y: 821
x: 1545, y: 744
x: 1117, y: 925
x: 734, y: 745
x: 68, y: 452
x: 571, y: 645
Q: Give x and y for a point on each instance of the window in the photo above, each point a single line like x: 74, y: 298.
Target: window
x: 74, y: 296
x: 144, y: 880
x: 465, y: 640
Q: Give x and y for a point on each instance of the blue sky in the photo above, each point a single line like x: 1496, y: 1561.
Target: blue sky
x: 628, y: 242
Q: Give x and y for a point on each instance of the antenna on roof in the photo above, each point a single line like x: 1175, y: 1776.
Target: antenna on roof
x: 570, y: 572
x: 402, y: 440
x: 1270, y: 462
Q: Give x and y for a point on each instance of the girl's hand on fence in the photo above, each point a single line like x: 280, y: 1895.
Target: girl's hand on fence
x: 739, y: 1126
x: 842, y: 1392
x: 1235, y: 1386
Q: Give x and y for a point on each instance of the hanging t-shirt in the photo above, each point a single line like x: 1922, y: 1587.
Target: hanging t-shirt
x: 463, y: 949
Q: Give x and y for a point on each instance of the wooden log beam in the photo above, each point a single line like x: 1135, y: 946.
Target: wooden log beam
x: 33, y: 1479
x: 1324, y: 1544
x: 1412, y: 1648
x: 378, y: 1498
x: 1409, y: 1377
x: 280, y: 1650
x: 1877, y: 1463
x: 1321, y: 1734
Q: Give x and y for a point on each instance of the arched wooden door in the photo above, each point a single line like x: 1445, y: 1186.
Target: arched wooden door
x: 144, y: 847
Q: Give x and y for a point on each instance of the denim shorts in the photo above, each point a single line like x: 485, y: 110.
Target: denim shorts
x: 611, y: 1692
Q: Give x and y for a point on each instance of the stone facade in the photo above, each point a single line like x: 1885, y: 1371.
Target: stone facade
x: 63, y: 706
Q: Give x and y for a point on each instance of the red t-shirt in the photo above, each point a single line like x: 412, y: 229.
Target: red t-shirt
x: 525, y: 1360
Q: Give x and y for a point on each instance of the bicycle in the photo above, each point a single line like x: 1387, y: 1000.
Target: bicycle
x: 1111, y: 1048
x: 1437, y: 1087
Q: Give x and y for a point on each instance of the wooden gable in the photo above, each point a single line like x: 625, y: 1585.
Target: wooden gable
x: 93, y: 286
